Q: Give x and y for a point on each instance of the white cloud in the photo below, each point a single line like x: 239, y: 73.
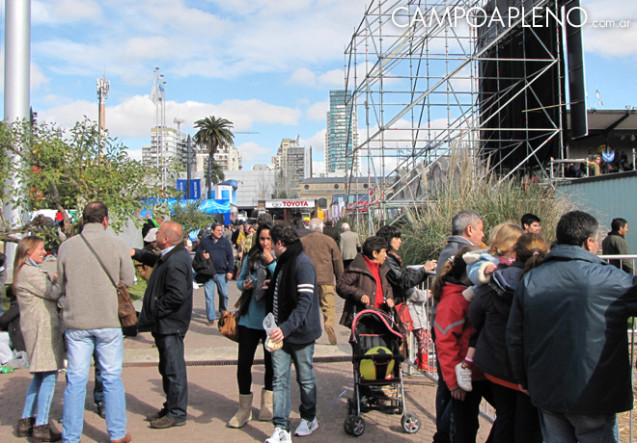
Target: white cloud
x: 135, y: 154
x: 317, y: 142
x: 64, y: 11
x: 305, y: 77
x: 38, y: 78
x: 133, y: 37
x: 606, y: 38
x: 318, y: 111
x: 136, y: 115
x: 253, y: 153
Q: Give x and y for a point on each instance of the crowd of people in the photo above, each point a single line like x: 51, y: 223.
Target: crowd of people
x: 537, y: 331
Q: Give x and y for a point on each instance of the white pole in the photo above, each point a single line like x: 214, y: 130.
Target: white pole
x: 16, y: 92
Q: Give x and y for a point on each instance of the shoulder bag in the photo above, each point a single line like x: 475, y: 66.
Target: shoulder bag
x: 126, y: 310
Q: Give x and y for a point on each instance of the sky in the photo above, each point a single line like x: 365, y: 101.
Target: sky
x: 265, y: 65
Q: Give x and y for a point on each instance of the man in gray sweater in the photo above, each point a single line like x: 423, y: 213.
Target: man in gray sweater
x: 91, y: 320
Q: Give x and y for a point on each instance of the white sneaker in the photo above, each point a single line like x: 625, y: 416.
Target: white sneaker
x: 306, y: 427
x: 463, y: 376
x: 280, y: 435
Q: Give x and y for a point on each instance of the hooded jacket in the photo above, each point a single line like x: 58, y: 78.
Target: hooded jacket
x: 489, y: 312
x: 566, y: 333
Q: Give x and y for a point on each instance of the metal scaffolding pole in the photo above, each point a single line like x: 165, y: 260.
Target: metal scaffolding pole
x: 17, y: 78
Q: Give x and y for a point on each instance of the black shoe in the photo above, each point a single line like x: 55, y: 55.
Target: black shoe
x: 156, y: 415
x: 100, y: 409
x: 166, y: 422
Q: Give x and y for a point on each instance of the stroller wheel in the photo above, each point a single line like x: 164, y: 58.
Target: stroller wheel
x: 354, y: 425
x: 410, y: 423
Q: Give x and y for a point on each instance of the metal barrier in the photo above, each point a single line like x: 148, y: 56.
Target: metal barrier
x: 487, y: 410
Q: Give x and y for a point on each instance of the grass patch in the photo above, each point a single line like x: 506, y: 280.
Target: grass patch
x: 137, y: 290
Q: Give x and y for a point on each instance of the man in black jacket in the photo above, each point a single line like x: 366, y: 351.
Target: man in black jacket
x: 166, y: 313
x: 566, y: 336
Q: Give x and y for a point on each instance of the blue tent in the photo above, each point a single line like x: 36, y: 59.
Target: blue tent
x: 211, y: 206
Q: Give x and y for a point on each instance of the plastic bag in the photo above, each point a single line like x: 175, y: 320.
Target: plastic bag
x: 270, y: 325
x: 6, y: 353
x: 19, y: 361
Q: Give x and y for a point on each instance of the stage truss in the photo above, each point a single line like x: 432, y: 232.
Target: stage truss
x: 417, y: 93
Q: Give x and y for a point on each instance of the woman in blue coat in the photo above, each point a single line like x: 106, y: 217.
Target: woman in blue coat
x: 257, y: 268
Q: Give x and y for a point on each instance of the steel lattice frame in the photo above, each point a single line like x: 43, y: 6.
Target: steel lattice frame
x: 416, y: 92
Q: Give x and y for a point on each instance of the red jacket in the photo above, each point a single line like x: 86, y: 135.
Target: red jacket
x: 452, y: 329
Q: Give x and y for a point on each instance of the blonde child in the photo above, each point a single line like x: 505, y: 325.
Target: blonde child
x: 480, y: 266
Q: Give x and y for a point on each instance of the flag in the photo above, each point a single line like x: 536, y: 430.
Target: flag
x: 599, y: 98
x: 154, y: 96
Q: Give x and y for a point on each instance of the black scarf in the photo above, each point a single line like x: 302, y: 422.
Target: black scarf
x: 287, y: 295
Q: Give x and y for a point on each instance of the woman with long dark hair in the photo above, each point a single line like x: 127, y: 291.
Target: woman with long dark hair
x: 257, y: 268
x: 403, y: 282
x: 37, y: 295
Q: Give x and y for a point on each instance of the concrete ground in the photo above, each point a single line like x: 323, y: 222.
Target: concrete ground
x: 213, y: 393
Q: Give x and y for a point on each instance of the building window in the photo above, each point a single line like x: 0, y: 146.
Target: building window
x: 336, y: 186
x: 307, y: 187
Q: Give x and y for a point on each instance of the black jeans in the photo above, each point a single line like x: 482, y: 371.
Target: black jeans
x: 465, y: 413
x: 517, y: 419
x: 443, y: 410
x: 172, y: 367
x: 248, y: 342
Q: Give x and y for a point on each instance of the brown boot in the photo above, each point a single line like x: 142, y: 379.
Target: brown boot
x: 25, y: 427
x: 46, y: 433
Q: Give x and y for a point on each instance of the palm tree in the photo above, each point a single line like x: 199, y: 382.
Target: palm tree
x: 217, y: 174
x: 213, y: 133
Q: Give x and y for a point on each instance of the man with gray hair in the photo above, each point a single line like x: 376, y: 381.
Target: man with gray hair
x: 350, y: 245
x: 326, y: 258
x: 467, y: 229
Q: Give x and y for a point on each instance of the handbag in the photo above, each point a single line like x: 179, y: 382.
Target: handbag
x: 125, y: 309
x: 228, y: 325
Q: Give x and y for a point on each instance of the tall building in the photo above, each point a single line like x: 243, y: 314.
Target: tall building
x: 341, y: 135
x: 174, y: 143
x: 290, y: 162
x: 228, y: 157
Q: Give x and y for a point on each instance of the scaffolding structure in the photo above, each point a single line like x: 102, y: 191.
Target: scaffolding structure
x: 422, y: 85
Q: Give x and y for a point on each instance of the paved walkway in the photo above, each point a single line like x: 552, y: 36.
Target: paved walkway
x: 213, y: 393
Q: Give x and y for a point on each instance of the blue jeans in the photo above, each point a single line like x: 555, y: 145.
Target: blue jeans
x: 220, y: 282
x: 566, y: 428
x: 172, y: 367
x: 40, y: 393
x: 98, y: 388
x: 301, y: 356
x: 109, y: 345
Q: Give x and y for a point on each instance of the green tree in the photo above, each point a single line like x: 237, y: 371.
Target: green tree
x: 64, y: 170
x: 189, y: 216
x: 217, y: 174
x: 213, y: 133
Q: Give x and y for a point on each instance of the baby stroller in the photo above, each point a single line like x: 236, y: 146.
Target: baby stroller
x: 378, y: 382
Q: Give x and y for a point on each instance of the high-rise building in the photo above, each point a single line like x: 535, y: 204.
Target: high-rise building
x: 341, y: 135
x: 228, y: 157
x: 174, y: 146
x: 290, y: 161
